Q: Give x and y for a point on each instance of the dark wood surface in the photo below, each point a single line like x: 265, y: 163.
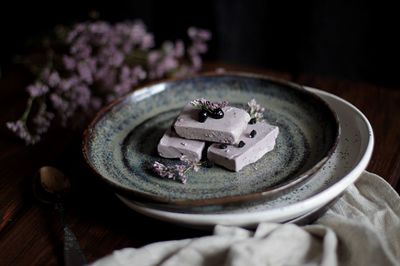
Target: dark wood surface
x: 30, y: 233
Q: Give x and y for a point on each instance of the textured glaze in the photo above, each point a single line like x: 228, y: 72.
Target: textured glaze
x: 349, y: 160
x: 225, y: 130
x: 235, y: 158
x: 121, y: 143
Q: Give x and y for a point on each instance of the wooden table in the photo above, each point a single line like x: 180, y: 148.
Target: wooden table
x: 30, y: 233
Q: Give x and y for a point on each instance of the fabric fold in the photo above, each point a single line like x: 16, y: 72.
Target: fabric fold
x: 361, y: 228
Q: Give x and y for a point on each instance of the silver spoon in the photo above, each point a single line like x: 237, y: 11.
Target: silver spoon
x: 51, y: 186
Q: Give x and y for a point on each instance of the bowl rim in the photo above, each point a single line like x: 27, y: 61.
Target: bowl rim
x: 282, y: 213
x: 272, y: 191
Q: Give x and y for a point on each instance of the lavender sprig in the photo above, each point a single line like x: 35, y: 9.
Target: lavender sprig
x: 255, y: 110
x: 177, y: 171
x: 207, y: 105
x: 92, y: 63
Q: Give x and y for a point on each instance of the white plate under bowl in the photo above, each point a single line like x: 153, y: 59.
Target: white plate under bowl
x: 344, y: 167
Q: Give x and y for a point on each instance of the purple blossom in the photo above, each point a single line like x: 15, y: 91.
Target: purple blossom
x: 20, y: 129
x: 136, y: 32
x: 196, y: 62
x: 179, y: 49
x: 147, y: 42
x: 81, y: 49
x: 67, y: 83
x: 255, y: 110
x: 128, y: 78
x: 59, y: 103
x: 199, y: 34
x: 42, y: 120
x: 139, y: 72
x: 69, y: 62
x: 103, y: 61
x: 99, y: 27
x: 78, y: 29
x: 168, y: 61
x: 82, y: 95
x: 199, y: 38
x: 37, y: 89
x: 116, y: 59
x: 125, y: 73
x: 153, y: 58
x: 54, y: 79
x: 198, y: 48
x: 165, y: 61
x: 176, y: 171
x: 122, y: 88
x: 84, y: 72
x: 208, y: 105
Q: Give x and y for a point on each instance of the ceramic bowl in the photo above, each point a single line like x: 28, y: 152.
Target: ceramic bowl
x: 302, y: 205
x: 120, y: 144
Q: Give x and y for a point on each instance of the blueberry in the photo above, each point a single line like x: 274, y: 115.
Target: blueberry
x: 223, y: 146
x: 203, y: 116
x: 253, y: 133
x: 241, y: 144
x: 253, y: 121
x: 217, y: 114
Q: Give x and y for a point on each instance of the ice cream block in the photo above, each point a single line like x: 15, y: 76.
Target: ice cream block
x: 255, y: 142
x: 225, y: 130
x: 173, y: 146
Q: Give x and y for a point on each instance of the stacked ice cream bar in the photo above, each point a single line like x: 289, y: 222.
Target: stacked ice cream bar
x: 235, y: 142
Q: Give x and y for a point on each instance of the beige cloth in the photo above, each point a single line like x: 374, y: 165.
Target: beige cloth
x: 362, y: 228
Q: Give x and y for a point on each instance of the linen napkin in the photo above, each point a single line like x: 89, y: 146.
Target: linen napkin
x: 361, y: 228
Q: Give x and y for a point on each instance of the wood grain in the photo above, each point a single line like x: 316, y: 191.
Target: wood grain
x: 30, y: 233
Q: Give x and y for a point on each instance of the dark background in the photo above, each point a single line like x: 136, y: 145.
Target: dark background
x: 354, y: 40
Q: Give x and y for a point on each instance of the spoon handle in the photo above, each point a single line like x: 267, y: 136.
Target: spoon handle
x: 73, y: 254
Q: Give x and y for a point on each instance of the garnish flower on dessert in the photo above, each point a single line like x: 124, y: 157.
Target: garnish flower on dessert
x: 255, y: 111
x: 209, y: 109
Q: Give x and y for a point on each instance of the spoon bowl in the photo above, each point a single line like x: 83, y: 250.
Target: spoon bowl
x: 50, y: 185
x: 53, y: 180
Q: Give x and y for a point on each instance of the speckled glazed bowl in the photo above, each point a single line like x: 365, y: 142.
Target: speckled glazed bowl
x: 120, y: 144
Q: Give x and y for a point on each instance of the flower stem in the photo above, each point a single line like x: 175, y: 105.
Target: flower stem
x: 28, y: 109
x: 187, y: 169
x: 137, y: 57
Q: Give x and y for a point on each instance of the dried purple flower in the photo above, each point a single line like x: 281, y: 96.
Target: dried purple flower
x: 177, y: 171
x: 166, y: 61
x: 69, y: 62
x: 21, y: 130
x: 199, y: 34
x: 207, y: 105
x: 191, y: 164
x: 42, y: 120
x: 199, y: 38
x: 100, y: 62
x: 255, y: 110
x: 163, y: 170
x: 37, y: 89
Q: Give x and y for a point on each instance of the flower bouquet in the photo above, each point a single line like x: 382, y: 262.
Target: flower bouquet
x: 88, y: 65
